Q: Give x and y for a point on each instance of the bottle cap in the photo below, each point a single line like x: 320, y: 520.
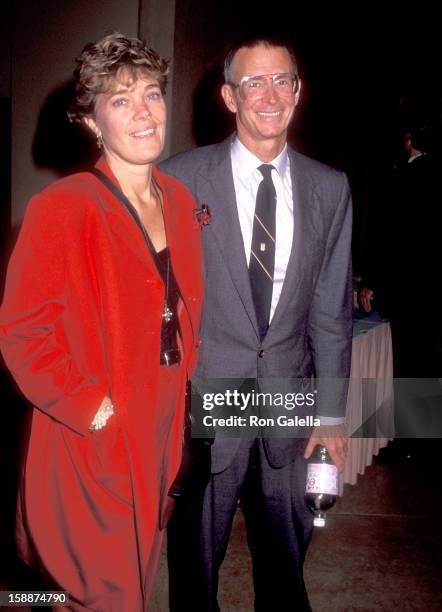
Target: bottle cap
x: 319, y: 521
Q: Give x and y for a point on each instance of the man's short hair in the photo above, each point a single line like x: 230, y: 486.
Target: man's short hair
x: 255, y: 40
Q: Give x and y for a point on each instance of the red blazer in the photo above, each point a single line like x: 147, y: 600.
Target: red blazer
x: 81, y: 320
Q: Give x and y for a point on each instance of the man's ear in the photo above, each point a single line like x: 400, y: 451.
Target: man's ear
x: 298, y: 93
x: 228, y: 97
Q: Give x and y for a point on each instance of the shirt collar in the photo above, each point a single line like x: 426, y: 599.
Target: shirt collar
x: 244, y: 162
x: 415, y: 156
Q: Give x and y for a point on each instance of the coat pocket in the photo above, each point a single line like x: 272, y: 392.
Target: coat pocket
x: 109, y: 460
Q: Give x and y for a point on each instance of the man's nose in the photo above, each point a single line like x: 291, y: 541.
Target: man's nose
x: 270, y: 93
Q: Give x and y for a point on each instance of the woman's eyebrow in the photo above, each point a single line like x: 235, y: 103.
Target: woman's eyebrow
x: 118, y: 92
x: 123, y: 90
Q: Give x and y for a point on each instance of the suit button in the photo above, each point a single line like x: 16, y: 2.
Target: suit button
x: 261, y: 353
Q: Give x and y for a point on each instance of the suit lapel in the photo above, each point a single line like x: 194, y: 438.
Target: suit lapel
x: 128, y: 232
x: 218, y: 192
x: 305, y: 214
x: 120, y: 222
x: 174, y: 237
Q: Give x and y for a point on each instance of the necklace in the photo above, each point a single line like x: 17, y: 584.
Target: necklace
x: 167, y: 312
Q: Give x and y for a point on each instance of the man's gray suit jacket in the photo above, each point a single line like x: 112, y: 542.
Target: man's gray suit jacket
x: 311, y: 330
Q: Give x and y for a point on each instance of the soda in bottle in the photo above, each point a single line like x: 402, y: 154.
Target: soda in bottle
x: 321, y: 486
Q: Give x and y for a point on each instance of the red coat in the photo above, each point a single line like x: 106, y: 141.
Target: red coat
x: 81, y: 320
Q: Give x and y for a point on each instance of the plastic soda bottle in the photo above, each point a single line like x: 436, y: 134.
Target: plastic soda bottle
x: 321, y: 486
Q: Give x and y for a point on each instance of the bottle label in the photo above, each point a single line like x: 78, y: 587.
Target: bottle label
x: 322, y: 478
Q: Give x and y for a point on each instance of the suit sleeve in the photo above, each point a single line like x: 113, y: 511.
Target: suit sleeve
x: 44, y: 350
x: 330, y: 320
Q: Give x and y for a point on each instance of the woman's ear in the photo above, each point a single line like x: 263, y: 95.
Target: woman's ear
x: 92, y: 125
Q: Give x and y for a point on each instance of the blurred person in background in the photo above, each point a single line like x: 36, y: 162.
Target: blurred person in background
x: 402, y: 276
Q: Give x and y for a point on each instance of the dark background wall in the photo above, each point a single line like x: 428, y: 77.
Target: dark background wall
x: 357, y: 61
x: 5, y: 130
x: 46, y: 37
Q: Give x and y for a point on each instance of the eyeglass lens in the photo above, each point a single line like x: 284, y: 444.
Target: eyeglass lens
x: 283, y: 84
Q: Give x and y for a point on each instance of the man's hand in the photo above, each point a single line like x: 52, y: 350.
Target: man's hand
x: 334, y: 438
x: 365, y: 296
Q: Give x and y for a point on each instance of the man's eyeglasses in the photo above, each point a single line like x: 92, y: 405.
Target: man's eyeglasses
x: 284, y: 84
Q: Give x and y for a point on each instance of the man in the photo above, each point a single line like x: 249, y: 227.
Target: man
x: 404, y: 267
x: 401, y: 278
x: 278, y: 304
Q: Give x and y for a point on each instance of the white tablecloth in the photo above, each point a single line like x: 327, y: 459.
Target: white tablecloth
x: 370, y: 398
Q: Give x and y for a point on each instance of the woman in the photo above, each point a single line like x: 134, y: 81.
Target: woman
x: 98, y: 327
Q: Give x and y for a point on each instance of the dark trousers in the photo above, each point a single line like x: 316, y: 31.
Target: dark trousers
x: 278, y: 525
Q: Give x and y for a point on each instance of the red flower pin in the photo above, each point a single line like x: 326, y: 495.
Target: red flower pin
x: 203, y: 215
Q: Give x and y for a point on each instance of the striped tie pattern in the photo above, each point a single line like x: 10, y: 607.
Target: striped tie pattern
x: 262, y: 257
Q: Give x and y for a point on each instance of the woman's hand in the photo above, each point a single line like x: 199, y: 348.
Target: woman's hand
x: 105, y: 411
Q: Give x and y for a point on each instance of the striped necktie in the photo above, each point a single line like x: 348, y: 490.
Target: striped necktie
x: 262, y: 257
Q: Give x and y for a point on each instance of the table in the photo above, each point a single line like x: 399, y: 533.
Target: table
x: 370, y: 406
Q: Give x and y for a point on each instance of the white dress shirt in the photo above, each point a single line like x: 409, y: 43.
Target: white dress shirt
x: 246, y: 179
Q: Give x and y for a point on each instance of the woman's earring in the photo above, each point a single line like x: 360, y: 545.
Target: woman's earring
x: 99, y: 141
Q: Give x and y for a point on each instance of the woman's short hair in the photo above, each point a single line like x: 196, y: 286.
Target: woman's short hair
x: 113, y: 57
